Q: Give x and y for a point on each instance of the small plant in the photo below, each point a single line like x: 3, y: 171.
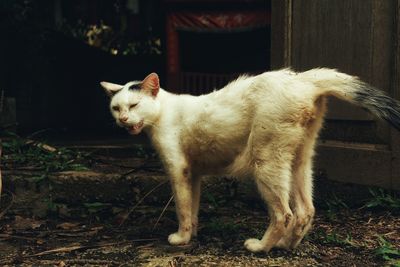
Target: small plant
x: 42, y: 160
x: 144, y: 152
x: 95, y: 207
x: 334, y: 204
x: 332, y: 238
x: 387, y: 252
x: 382, y: 199
x: 52, y: 206
x: 20, y: 152
x: 336, y: 239
x: 212, y: 201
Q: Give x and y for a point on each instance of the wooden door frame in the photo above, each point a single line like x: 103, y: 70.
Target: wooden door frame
x: 395, y: 92
x: 365, y: 165
x: 281, y: 33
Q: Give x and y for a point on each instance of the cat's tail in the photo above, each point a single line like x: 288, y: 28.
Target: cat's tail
x: 352, y: 89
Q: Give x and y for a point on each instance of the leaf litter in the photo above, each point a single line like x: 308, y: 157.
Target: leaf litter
x: 113, y: 235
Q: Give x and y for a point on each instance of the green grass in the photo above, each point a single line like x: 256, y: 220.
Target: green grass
x: 145, y: 152
x: 95, y: 207
x: 333, y: 205
x: 387, y: 252
x: 332, y: 238
x: 382, y: 199
x: 19, y: 152
x: 41, y: 160
x: 211, y: 200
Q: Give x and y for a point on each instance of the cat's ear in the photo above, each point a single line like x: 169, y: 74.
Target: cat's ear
x: 111, y: 88
x: 151, y: 84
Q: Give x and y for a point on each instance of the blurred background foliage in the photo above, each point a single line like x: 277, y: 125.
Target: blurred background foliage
x: 53, y: 54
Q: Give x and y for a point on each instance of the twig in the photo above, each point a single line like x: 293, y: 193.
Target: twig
x: 128, y: 172
x: 115, y: 164
x: 27, y: 168
x: 41, y: 145
x: 169, y: 202
x: 7, y: 126
x: 140, y: 201
x: 39, y: 132
x: 7, y: 236
x: 81, y: 262
x: 79, y: 247
x: 163, y: 211
x: 142, y: 167
x: 63, y: 249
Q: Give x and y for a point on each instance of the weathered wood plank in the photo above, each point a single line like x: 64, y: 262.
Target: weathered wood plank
x: 334, y: 34
x: 359, y: 37
x: 358, y: 165
x: 354, y: 36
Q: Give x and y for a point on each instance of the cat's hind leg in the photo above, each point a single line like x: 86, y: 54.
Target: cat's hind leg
x: 301, y: 198
x: 273, y: 181
x: 302, y: 181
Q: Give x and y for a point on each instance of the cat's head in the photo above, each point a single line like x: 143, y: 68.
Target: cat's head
x: 134, y: 105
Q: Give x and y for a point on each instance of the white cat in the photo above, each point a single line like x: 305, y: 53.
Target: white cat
x: 263, y: 126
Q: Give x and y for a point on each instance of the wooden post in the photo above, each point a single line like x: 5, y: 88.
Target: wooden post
x: 1, y: 111
x: 1, y: 183
x: 173, y: 62
x: 395, y: 92
x: 281, y: 33
x: 358, y: 38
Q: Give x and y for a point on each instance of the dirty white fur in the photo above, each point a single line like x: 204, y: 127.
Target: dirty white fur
x: 263, y: 127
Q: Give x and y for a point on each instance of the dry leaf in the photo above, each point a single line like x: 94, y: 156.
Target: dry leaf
x: 21, y: 223
x: 67, y: 225
x: 96, y: 228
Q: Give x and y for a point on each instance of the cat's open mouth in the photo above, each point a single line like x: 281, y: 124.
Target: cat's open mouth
x: 135, y: 128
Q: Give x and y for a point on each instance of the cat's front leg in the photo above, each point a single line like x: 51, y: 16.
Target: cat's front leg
x: 196, y: 188
x: 181, y: 187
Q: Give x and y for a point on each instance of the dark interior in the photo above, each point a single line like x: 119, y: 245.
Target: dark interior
x: 223, y: 51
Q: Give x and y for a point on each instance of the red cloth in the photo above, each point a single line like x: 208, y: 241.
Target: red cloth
x: 228, y: 20
x: 218, y: 20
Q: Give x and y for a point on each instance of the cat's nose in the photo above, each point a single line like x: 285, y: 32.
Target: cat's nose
x: 123, y: 119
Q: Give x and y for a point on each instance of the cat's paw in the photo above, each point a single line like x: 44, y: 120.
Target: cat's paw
x: 177, y: 239
x: 254, y: 245
x: 194, y: 229
x: 283, y: 244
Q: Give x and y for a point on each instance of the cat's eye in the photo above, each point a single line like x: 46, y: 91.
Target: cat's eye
x: 115, y: 108
x: 132, y: 106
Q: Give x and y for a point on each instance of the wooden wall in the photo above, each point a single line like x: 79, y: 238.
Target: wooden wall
x: 359, y: 37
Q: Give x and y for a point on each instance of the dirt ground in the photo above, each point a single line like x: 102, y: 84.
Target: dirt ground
x: 349, y: 230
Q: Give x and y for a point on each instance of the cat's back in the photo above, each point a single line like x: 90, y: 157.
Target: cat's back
x: 283, y: 89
